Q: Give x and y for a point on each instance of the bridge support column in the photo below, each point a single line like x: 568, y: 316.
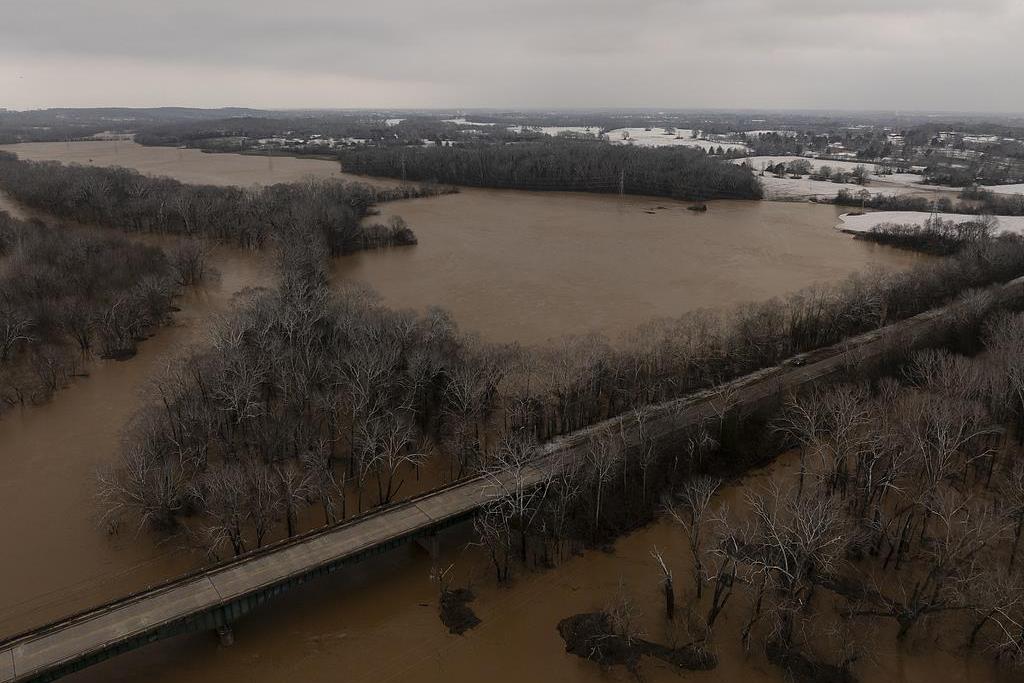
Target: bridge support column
x: 430, y: 544
x: 226, y: 635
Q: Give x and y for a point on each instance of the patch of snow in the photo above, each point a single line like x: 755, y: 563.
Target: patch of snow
x: 783, y: 133
x: 555, y: 130
x: 391, y: 123
x: 864, y: 222
x: 805, y: 188
x: 981, y: 139
x: 1006, y: 189
x: 659, y: 137
x: 463, y: 122
x: 759, y: 163
x: 792, y: 188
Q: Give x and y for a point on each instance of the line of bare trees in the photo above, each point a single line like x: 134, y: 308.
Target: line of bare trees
x: 250, y: 217
x: 68, y: 293
x: 937, y: 236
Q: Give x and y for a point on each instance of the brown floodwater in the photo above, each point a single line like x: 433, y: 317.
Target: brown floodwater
x: 529, y: 266
x: 524, y: 266
x: 189, y: 165
x: 56, y: 559
x: 378, y: 622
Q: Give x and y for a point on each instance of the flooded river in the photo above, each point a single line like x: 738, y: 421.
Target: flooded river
x: 528, y: 266
x: 56, y: 560
x: 379, y: 623
x: 522, y: 266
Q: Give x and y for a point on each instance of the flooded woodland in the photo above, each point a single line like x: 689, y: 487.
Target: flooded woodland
x: 512, y: 266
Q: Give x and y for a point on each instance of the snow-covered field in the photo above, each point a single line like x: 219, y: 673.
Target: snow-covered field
x: 866, y: 221
x: 463, y: 122
x: 656, y: 137
x: 783, y: 133
x: 1006, y: 189
x: 791, y: 188
x: 758, y: 163
x: 555, y: 130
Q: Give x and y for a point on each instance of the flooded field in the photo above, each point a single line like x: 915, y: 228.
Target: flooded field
x: 188, y: 165
x: 528, y: 266
x: 512, y: 266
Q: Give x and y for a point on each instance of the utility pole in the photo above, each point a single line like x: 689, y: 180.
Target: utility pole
x: 403, y: 168
x: 622, y: 182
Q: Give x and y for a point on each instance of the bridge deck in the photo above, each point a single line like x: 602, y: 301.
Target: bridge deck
x: 49, y: 651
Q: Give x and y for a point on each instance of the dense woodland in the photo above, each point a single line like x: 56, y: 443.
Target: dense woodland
x: 902, y: 521
x: 897, y: 519
x: 576, y: 166
x: 68, y: 293
x: 249, y: 217
x: 313, y: 397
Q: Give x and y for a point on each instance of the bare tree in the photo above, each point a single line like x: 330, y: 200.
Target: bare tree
x: 695, y: 499
x: 602, y: 456
x: 14, y: 330
x: 514, y: 487
x: 666, y: 583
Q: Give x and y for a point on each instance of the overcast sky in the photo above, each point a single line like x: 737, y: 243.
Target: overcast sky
x: 963, y: 55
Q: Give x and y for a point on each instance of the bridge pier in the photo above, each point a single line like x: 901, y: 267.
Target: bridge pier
x: 430, y: 544
x: 226, y: 635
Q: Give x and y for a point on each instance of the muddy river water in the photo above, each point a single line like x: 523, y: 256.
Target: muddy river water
x: 528, y: 266
x: 512, y: 266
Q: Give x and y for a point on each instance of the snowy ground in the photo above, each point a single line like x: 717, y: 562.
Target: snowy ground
x: 864, y: 222
x: 656, y: 137
x: 555, y: 130
x: 758, y: 163
x: 791, y: 188
x: 1006, y: 189
x: 783, y: 133
x: 463, y: 122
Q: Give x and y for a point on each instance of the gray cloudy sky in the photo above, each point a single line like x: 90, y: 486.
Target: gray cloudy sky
x: 965, y: 55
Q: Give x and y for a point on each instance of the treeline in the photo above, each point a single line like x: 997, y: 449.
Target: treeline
x: 313, y: 398
x: 991, y: 171
x: 65, y: 294
x: 983, y: 202
x: 62, y: 123
x: 937, y: 236
x: 250, y: 217
x: 578, y: 166
x: 775, y: 144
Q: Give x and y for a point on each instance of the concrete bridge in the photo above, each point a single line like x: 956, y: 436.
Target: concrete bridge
x: 211, y: 599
